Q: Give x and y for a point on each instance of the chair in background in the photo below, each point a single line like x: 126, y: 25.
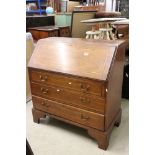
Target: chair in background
x: 29, y: 50
x: 78, y: 29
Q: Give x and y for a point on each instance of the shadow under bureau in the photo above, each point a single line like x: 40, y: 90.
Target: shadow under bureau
x: 78, y: 81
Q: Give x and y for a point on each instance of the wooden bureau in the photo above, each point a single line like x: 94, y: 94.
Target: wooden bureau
x: 78, y: 81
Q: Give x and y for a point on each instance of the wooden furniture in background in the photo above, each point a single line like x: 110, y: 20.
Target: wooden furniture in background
x: 49, y: 31
x: 43, y: 32
x: 107, y: 29
x: 78, y: 29
x: 122, y: 29
x: 78, y: 81
x: 64, y: 31
x: 104, y: 26
x: 89, y: 8
x: 107, y: 14
x: 71, y: 5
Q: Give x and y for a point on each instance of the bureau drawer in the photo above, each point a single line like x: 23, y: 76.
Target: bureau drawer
x: 59, y: 94
x: 79, y: 84
x: 71, y: 113
x: 53, y: 33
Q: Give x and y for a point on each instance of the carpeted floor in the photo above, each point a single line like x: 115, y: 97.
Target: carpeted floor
x: 53, y: 137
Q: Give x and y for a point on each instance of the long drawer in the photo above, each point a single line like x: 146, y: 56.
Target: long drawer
x: 71, y: 113
x: 78, y: 84
x: 59, y: 94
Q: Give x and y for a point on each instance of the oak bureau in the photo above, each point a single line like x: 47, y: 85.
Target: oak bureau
x: 78, y: 81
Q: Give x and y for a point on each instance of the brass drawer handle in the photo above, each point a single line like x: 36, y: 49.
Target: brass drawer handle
x: 84, y: 100
x: 84, y: 117
x: 45, y: 104
x: 84, y: 87
x: 69, y: 83
x: 43, y: 78
x: 44, y: 90
x: 58, y: 90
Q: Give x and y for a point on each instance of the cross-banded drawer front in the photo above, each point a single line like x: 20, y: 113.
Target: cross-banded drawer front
x: 82, y: 85
x: 69, y: 97
x: 64, y: 32
x: 71, y: 113
x: 53, y: 33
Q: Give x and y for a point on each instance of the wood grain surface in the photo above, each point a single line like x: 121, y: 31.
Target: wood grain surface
x: 79, y: 57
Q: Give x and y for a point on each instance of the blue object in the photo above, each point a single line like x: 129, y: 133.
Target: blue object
x: 40, y: 11
x: 49, y: 10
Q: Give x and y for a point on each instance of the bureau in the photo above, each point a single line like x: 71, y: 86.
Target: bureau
x: 78, y: 81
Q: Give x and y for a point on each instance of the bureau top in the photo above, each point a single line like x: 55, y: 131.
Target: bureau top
x: 47, y: 28
x: 44, y: 28
x: 74, y: 56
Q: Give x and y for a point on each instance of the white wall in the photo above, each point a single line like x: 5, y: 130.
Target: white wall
x: 110, y: 5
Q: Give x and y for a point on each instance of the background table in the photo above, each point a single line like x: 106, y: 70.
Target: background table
x: 102, y: 24
x: 49, y: 31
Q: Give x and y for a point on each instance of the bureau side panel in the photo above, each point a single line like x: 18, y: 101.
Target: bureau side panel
x: 114, y: 86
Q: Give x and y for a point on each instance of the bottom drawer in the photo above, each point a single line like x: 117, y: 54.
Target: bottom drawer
x: 68, y: 112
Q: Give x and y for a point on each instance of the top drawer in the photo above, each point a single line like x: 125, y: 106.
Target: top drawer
x: 79, y: 84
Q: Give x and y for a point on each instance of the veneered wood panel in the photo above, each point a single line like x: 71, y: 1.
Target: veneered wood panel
x: 114, y: 86
x: 74, y: 114
x: 80, y: 84
x: 59, y: 94
x: 73, y: 56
